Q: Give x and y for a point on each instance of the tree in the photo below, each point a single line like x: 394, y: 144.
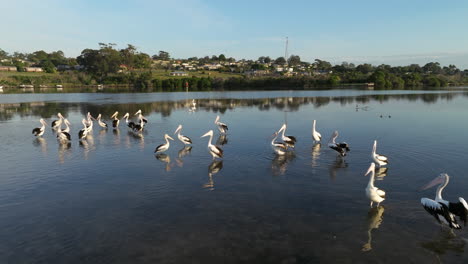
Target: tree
x: 100, y: 62
x: 365, y: 68
x: 48, y: 66
x: 267, y: 60
x: 163, y: 55
x: 432, y: 67
x: 280, y: 61
x: 322, y: 65
x: 294, y: 60
x: 222, y: 57
x: 3, y: 54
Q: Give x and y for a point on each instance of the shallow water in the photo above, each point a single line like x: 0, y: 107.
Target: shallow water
x: 109, y: 199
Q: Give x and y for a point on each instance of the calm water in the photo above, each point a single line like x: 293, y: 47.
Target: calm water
x: 111, y: 200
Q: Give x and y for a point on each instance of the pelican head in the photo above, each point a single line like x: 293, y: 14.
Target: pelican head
x: 371, y: 169
x: 217, y: 119
x: 127, y: 115
x: 167, y: 136
x: 178, y: 129
x: 60, y: 115
x: 138, y: 112
x: 84, y: 122
x: 209, y: 133
x: 99, y: 116
x: 334, y: 136
x: 43, y: 122
x: 437, y: 181
x: 115, y: 114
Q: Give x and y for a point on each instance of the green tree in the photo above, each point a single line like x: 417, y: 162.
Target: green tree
x: 222, y: 57
x: 294, y: 60
x: 280, y: 61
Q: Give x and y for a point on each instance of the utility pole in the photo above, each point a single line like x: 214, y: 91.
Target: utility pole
x: 286, y: 51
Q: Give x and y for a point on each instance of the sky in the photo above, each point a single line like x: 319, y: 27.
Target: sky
x: 392, y: 32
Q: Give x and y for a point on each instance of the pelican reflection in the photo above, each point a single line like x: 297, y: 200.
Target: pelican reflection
x: 63, y: 150
x: 116, y: 133
x: 445, y: 242
x: 374, y: 219
x: 213, y: 168
x: 280, y: 163
x: 315, y: 154
x: 164, y: 158
x: 222, y: 140
x: 381, y: 173
x: 140, y: 137
x: 42, y: 143
x: 182, y: 153
x: 333, y: 169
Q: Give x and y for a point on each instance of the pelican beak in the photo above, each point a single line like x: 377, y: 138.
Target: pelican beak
x: 434, y: 182
x: 207, y: 134
x: 371, y: 168
x: 177, y: 130
x: 170, y: 137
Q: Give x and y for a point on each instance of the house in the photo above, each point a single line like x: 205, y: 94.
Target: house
x: 212, y: 66
x: 33, y: 69
x: 7, y: 68
x: 178, y: 73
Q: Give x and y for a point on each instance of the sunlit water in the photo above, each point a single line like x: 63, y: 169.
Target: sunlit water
x: 111, y: 200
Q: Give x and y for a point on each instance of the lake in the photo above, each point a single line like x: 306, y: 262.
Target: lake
x: 110, y: 199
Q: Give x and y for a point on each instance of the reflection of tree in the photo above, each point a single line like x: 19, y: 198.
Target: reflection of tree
x: 165, y: 108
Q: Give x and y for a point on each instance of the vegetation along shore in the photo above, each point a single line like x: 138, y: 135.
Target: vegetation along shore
x: 128, y: 68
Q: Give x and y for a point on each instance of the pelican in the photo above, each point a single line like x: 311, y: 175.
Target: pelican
x: 316, y: 135
x: 101, y: 123
x: 57, y: 123
x: 445, y: 211
x: 279, y: 147
x: 139, y: 127
x: 39, y: 131
x: 116, y: 121
x: 290, y: 140
x: 67, y: 126
x: 89, y: 122
x: 182, y: 138
x: 373, y: 193
x: 83, y: 132
x: 223, y: 128
x: 141, y: 117
x: 381, y: 160
x: 129, y: 124
x: 215, y: 151
x: 341, y: 148
x: 165, y: 146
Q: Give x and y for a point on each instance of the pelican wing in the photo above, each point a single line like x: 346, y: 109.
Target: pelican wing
x: 381, y: 193
x: 381, y: 158
x: 115, y: 123
x: 36, y: 131
x: 185, y: 139
x: 440, y: 212
x: 224, y: 126
x: 158, y: 148
x: 216, y: 150
x: 459, y: 209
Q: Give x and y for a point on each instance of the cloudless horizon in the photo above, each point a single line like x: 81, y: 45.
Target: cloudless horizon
x: 396, y: 33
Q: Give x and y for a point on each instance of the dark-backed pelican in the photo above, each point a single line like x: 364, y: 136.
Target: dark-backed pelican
x: 67, y: 126
x: 341, y: 148
x: 223, y: 128
x: 315, y: 135
x: 83, y: 132
x: 115, y: 121
x: 182, y: 138
x: 89, y: 122
x: 442, y: 210
x: 380, y: 160
x: 290, y: 140
x: 215, y: 151
x: 373, y: 193
x: 279, y: 147
x: 141, y: 117
x: 57, y: 123
x: 39, y: 131
x: 165, y: 146
x: 130, y: 124
x: 100, y: 122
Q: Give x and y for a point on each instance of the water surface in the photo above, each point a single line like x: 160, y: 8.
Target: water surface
x: 109, y: 199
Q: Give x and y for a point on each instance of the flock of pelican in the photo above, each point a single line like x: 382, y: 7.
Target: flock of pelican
x: 444, y: 212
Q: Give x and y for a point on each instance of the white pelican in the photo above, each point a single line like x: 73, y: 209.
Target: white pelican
x: 341, y: 148
x: 63, y: 135
x: 444, y: 211
x: 101, y: 123
x: 89, y: 122
x: 165, y: 146
x: 373, y: 193
x: 223, y: 128
x: 39, y: 131
x: 381, y: 160
x: 116, y: 121
x: 279, y: 147
x: 57, y: 123
x: 182, y: 138
x: 67, y: 126
x: 83, y: 132
x: 290, y: 140
x: 316, y: 135
x: 141, y: 117
x: 215, y: 151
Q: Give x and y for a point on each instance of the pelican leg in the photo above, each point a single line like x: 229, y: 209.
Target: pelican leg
x: 378, y: 204
x: 371, y: 203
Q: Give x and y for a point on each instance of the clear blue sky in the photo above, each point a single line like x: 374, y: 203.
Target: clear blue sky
x: 392, y: 32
